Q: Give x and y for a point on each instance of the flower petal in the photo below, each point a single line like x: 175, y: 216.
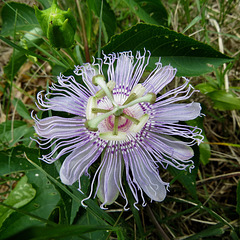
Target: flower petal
x: 88, y: 71
x: 171, y: 146
x: 59, y: 127
x: 79, y: 161
x: 123, y: 70
x: 110, y: 177
x: 177, y: 112
x: 159, y: 78
x: 146, y: 175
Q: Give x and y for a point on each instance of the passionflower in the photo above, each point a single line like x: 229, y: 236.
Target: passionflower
x: 125, y: 126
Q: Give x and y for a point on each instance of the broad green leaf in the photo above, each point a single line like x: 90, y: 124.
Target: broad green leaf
x: 223, y: 100
x: 205, y: 88
x: 21, y: 195
x: 37, y: 211
x: 215, y: 230
x: 21, y: 108
x: 190, y: 57
x: 108, y: 17
x: 13, y: 160
x: 78, y: 196
x: 26, y: 19
x: 88, y: 219
x: 44, y: 233
x: 149, y: 11
x: 11, y: 133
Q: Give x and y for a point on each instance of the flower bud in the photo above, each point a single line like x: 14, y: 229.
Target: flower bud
x: 59, y: 26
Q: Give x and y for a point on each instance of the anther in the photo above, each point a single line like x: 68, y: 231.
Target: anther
x: 142, y: 121
x: 110, y: 137
x: 99, y: 80
x: 149, y: 97
x: 92, y: 103
x: 130, y: 98
x: 139, y: 90
x: 100, y: 94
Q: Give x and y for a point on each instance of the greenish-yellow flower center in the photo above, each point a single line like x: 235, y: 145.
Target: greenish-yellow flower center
x: 119, y: 116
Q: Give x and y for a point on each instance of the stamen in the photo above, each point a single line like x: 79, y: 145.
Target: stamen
x: 100, y: 110
x: 134, y: 120
x: 92, y: 103
x: 139, y: 90
x: 100, y: 94
x: 130, y: 98
x: 150, y: 97
x: 115, y: 128
x: 142, y: 121
x: 99, y: 80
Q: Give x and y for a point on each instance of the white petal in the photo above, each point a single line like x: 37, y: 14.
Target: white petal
x: 178, y: 112
x: 67, y: 104
x: 159, y: 78
x: 110, y: 178
x: 78, y: 162
x: 88, y: 71
x: 147, y: 176
x: 171, y: 146
x: 59, y: 127
x: 123, y: 70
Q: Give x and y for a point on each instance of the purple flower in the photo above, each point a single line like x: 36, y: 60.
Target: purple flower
x: 127, y: 126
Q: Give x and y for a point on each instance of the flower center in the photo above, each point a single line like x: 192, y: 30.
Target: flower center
x: 118, y: 118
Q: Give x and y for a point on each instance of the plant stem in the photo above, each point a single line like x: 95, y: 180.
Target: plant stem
x: 83, y: 32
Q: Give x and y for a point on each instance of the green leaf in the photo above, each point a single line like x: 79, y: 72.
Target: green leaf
x: 78, y: 196
x: 21, y: 195
x: 13, y: 160
x: 223, y: 100
x: 21, y: 109
x: 215, y: 230
x: 149, y: 11
x: 11, y: 133
x: 205, y: 88
x: 26, y: 19
x: 42, y: 233
x: 37, y: 211
x: 108, y: 17
x: 88, y: 219
x: 190, y: 57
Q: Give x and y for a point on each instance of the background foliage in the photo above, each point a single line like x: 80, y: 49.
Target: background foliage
x: 201, y: 38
